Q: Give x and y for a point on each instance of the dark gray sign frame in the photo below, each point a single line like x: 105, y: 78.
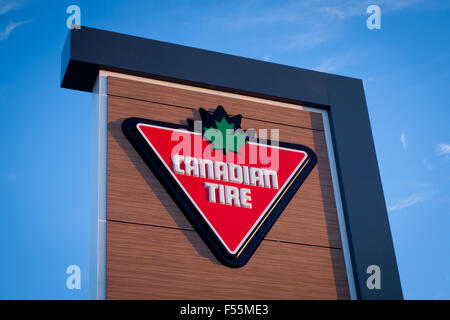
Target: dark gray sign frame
x: 88, y: 50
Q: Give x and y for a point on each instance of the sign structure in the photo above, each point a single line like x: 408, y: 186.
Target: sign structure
x: 162, y: 190
x: 231, y: 185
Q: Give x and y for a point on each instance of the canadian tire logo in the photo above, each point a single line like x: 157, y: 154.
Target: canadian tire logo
x: 230, y: 184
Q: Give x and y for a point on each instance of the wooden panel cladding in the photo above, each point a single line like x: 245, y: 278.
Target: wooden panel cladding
x: 195, y: 100
x: 166, y: 263
x: 310, y: 217
x: 154, y: 252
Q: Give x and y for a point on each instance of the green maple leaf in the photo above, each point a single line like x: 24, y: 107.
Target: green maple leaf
x: 225, y: 138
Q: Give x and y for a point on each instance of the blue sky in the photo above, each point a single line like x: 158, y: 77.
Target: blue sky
x: 45, y: 130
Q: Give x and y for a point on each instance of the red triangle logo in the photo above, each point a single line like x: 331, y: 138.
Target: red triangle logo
x: 232, y: 195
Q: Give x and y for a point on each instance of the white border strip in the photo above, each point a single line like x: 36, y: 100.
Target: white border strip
x: 97, y: 285
x: 329, y: 142
x: 339, y: 208
x: 288, y: 180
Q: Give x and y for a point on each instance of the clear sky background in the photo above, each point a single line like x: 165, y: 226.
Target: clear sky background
x: 45, y: 130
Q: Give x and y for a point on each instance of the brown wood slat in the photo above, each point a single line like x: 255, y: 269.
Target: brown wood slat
x: 145, y: 262
x: 191, y: 99
x: 135, y: 195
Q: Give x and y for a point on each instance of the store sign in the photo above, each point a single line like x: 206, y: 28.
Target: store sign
x: 231, y: 185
